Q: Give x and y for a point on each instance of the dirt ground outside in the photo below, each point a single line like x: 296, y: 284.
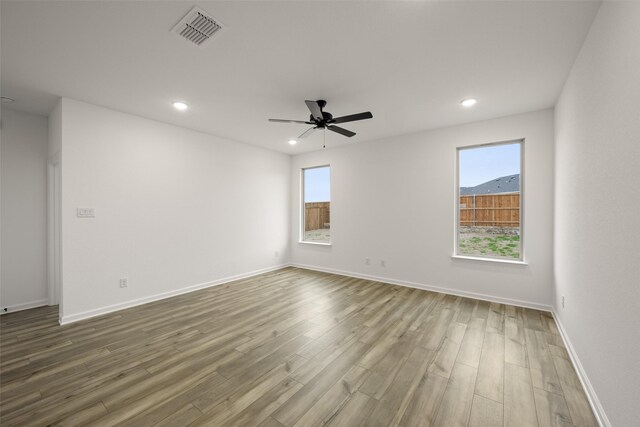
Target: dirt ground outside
x: 497, y: 242
x: 322, y: 235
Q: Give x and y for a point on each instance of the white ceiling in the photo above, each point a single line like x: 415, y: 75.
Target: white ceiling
x: 409, y: 63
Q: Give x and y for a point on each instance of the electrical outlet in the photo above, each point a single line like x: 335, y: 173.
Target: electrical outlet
x: 86, y: 212
x: 276, y: 254
x: 383, y: 263
x: 562, y: 301
x: 124, y: 282
x: 367, y: 261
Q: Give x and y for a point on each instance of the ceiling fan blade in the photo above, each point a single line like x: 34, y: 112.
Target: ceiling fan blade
x: 307, y: 132
x: 289, y: 121
x: 341, y: 131
x: 352, y: 117
x: 315, y: 109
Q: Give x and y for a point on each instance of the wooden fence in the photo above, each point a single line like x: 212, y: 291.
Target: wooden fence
x: 491, y: 210
x: 317, y: 215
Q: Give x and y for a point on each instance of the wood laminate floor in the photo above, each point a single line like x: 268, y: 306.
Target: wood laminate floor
x: 292, y: 348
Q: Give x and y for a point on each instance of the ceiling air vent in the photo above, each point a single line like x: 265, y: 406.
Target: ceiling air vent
x: 198, y: 27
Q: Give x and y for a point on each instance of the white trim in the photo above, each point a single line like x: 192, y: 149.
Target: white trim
x: 448, y: 291
x: 592, y: 397
x: 24, y: 306
x: 54, y: 277
x: 64, y: 320
x: 308, y: 242
x: 498, y: 260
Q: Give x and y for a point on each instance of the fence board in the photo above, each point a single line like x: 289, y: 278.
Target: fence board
x: 317, y: 215
x: 497, y: 210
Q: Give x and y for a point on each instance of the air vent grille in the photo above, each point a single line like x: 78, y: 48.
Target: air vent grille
x: 198, y: 27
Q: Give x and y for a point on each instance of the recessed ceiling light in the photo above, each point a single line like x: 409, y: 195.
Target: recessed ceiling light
x: 469, y: 102
x: 180, y: 105
x: 6, y: 100
x: 293, y: 142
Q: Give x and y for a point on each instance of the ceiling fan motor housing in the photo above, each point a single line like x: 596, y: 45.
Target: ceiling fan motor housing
x: 325, y: 117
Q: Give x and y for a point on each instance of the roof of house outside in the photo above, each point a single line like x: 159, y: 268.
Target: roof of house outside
x: 504, y: 184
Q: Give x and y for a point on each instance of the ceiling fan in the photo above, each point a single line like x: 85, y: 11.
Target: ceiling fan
x: 324, y: 120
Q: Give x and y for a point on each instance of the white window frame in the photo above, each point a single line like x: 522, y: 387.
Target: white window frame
x: 456, y: 248
x: 302, y: 206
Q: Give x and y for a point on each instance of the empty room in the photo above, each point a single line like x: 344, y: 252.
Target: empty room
x: 308, y: 213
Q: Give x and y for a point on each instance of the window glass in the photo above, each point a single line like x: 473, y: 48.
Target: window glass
x: 316, y: 209
x: 490, y: 201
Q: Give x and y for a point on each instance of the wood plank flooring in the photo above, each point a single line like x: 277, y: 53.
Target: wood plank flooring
x: 292, y: 348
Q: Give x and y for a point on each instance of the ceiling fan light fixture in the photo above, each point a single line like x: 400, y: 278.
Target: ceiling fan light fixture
x: 468, y: 102
x: 292, y: 142
x: 180, y: 106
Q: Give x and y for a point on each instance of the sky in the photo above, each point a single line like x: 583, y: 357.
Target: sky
x: 482, y: 164
x: 317, y: 186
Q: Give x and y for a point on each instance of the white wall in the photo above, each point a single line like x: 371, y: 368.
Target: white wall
x: 55, y: 131
x: 597, y: 208
x: 174, y: 208
x: 393, y: 200
x: 24, y: 210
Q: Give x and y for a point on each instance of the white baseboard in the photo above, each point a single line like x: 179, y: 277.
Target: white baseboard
x: 596, y: 406
x: 449, y: 291
x: 65, y: 320
x: 24, y: 306
x: 128, y: 304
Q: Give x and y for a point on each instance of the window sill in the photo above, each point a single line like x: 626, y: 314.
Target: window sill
x: 314, y: 243
x: 500, y: 261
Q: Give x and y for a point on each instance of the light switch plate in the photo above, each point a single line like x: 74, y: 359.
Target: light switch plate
x: 86, y: 212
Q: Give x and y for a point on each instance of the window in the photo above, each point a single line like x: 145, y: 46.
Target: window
x: 316, y: 206
x: 489, y: 201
